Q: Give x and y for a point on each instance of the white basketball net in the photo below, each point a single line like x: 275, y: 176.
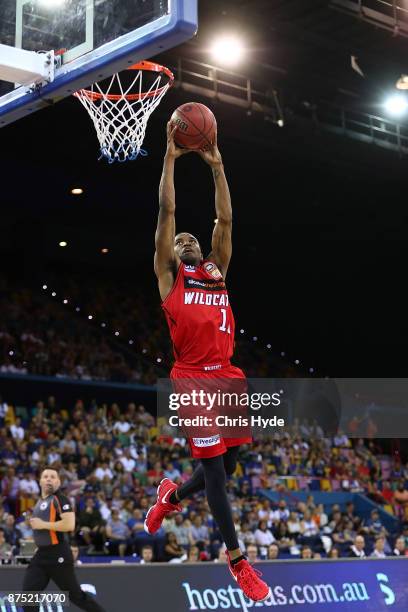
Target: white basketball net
x: 120, y: 115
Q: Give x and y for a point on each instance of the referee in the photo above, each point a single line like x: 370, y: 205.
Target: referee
x: 53, y: 518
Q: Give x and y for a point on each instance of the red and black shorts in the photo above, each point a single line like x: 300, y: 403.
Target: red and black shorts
x: 212, y: 440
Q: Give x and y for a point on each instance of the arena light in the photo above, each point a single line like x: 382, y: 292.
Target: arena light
x: 227, y: 50
x: 77, y: 191
x: 63, y: 243
x: 396, y: 105
x: 104, y: 251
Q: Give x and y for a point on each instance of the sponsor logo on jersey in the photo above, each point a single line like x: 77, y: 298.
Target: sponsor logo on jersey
x: 204, y: 442
x: 207, y: 284
x: 66, y: 507
x: 213, y: 270
x: 190, y: 268
x: 43, y: 505
x: 213, y: 367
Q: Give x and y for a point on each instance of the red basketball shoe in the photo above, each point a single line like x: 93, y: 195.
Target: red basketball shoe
x: 162, y: 507
x: 248, y: 579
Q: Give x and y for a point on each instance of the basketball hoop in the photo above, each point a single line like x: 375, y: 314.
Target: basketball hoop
x: 120, y: 112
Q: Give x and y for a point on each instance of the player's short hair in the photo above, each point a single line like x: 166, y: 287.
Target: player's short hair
x: 49, y: 468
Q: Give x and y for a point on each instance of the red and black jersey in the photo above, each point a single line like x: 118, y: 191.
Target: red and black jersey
x: 50, y: 509
x: 200, y: 317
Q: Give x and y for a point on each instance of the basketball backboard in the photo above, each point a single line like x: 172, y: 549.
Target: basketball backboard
x: 96, y: 37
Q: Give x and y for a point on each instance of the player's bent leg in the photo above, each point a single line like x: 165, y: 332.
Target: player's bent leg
x: 35, y: 579
x: 196, y: 483
x: 66, y: 580
x: 162, y: 507
x: 245, y: 575
x: 230, y: 460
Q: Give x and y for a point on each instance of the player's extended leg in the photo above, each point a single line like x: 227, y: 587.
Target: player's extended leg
x: 169, y: 495
x: 35, y: 579
x: 215, y: 485
x: 65, y: 578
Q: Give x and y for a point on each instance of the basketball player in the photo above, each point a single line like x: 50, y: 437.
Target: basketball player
x: 203, y: 339
x: 53, y: 518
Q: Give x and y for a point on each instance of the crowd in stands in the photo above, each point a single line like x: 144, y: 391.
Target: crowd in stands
x: 111, y: 459
x: 41, y: 335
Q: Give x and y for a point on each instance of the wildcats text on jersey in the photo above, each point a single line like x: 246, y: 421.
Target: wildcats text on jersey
x: 206, y: 299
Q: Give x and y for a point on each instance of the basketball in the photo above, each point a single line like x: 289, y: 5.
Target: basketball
x: 196, y: 126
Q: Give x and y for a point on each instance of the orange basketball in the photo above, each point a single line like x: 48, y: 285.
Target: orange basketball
x: 196, y: 126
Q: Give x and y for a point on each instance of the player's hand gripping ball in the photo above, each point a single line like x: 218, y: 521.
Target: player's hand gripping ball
x: 196, y: 126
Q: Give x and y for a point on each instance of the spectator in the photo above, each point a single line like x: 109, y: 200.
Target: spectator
x: 118, y: 534
x: 199, y: 532
x: 172, y: 472
x: 246, y: 534
x: 282, y: 513
x: 320, y: 517
x: 127, y: 461
x: 334, y: 553
x: 263, y: 537
x: 11, y: 533
x: 266, y: 513
x: 357, y: 549
x: 75, y: 554
x: 17, y: 430
x: 5, y: 547
x: 309, y: 531
x: 172, y: 549
x: 401, y: 500
x: 182, y: 531
x: 273, y: 551
x: 400, y: 549
x: 24, y: 527
x: 283, y: 536
x: 293, y: 524
x: 306, y: 552
x: 91, y: 526
x: 193, y: 555
x: 103, y: 471
x: 147, y: 554
x: 374, y: 525
x: 252, y: 553
x: 378, y: 550
x: 10, y: 489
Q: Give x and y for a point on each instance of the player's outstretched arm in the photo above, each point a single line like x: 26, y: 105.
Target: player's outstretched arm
x: 222, y: 235
x: 165, y: 259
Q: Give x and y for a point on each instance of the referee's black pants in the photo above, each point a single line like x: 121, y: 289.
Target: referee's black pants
x: 37, y: 577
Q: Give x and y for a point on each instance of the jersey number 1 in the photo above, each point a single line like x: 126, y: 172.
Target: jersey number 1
x: 224, y: 322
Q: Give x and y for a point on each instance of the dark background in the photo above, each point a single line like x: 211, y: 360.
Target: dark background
x: 320, y: 220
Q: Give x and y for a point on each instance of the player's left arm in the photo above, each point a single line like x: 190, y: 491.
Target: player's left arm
x: 221, y: 246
